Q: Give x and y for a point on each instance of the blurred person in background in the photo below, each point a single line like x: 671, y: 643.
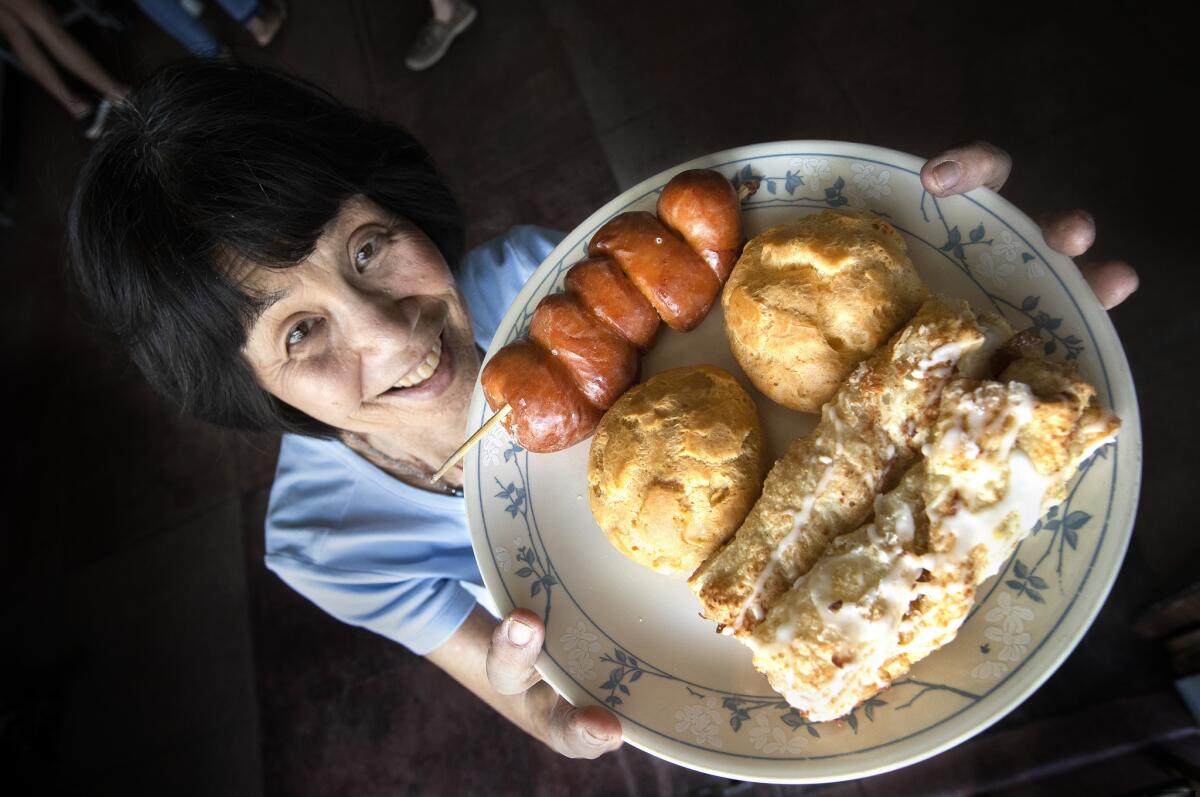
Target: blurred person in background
x: 23, y: 21
x: 181, y: 20
x: 450, y: 18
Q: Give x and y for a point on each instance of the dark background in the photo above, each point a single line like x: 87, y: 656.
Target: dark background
x: 144, y: 648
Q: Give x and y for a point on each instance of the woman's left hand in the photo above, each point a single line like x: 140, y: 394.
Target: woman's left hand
x: 575, y: 732
x: 1072, y: 232
x: 496, y: 662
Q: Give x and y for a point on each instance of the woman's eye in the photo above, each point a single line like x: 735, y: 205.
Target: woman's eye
x: 362, y: 258
x: 299, y: 332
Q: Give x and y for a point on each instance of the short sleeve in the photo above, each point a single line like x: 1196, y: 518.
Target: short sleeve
x: 419, y: 613
x: 492, y: 275
x: 367, y: 549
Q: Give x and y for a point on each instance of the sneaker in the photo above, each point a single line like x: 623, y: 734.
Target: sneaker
x: 435, y: 38
x: 93, y: 122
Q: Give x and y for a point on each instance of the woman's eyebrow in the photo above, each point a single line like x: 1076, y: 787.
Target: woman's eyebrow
x: 265, y: 303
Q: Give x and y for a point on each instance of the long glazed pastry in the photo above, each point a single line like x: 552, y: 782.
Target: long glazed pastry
x: 883, y: 597
x: 825, y: 485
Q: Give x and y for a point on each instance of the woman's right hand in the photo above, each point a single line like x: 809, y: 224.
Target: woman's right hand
x: 585, y: 732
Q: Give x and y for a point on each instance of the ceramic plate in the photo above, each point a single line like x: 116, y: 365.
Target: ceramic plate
x: 622, y: 636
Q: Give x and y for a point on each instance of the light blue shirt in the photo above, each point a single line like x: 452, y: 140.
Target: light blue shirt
x: 369, y: 549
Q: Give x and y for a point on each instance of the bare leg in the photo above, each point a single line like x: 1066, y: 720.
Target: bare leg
x: 64, y: 48
x: 40, y: 68
x: 443, y: 10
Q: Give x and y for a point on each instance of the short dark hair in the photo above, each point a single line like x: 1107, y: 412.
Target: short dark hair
x: 208, y: 164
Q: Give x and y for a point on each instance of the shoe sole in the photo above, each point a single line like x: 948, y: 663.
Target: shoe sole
x: 455, y: 32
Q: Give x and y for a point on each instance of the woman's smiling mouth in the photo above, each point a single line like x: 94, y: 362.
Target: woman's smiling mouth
x: 429, y: 378
x: 425, y: 369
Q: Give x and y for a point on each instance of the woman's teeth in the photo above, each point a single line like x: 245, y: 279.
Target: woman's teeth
x: 425, y: 370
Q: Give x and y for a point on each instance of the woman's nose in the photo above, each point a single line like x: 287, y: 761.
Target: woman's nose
x: 379, y: 329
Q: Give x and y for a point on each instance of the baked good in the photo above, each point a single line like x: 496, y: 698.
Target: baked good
x: 869, y: 433
x: 641, y: 267
x: 887, y: 595
x: 675, y: 465
x: 810, y: 300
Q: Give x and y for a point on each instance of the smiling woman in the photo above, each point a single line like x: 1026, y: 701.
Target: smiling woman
x: 275, y: 261
x: 368, y: 334
x: 213, y: 167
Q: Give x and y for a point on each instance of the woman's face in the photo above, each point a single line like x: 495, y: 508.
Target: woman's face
x: 369, y: 334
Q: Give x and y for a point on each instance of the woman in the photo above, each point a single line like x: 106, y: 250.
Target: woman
x: 277, y: 262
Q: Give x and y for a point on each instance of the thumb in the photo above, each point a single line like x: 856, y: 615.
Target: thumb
x: 515, y: 646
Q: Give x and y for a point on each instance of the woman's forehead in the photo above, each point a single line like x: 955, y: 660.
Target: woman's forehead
x: 354, y: 212
x: 257, y: 279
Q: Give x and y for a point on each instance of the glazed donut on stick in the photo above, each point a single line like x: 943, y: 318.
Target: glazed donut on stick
x: 639, y: 270
x: 702, y: 207
x: 602, y: 287
x: 601, y: 363
x: 668, y: 272
x: 548, y: 413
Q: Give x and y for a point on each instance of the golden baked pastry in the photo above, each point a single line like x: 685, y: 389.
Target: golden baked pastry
x: 869, y: 433
x: 887, y: 595
x: 808, y: 301
x: 675, y: 465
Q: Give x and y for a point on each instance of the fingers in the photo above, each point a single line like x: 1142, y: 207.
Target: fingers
x: 1071, y: 232
x: 1111, y: 280
x: 959, y: 170
x: 583, y: 732
x: 516, y: 643
x: 576, y: 732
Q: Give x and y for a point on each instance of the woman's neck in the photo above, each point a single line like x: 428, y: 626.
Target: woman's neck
x: 414, y: 454
x: 410, y: 464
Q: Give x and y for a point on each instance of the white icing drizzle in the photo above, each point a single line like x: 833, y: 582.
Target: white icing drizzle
x: 799, y: 519
x: 939, y: 363
x: 864, y: 634
x: 862, y: 630
x: 906, y: 527
x: 988, y: 448
x: 944, y: 357
x: 1093, y: 447
x: 1026, y: 491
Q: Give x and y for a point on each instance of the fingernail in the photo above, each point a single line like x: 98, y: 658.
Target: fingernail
x: 519, y: 634
x: 593, y: 738
x: 946, y: 174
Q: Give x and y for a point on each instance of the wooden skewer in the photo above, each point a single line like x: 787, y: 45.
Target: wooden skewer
x: 745, y: 190
x: 500, y: 415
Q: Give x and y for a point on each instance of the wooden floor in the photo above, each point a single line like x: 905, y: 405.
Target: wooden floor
x: 147, y: 650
